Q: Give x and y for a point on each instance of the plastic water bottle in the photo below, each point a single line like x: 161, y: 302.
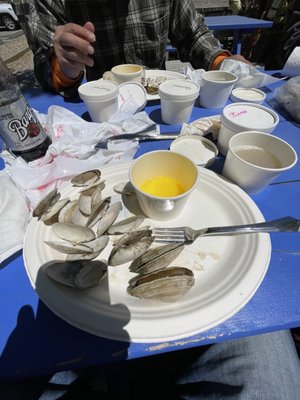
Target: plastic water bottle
x: 20, y: 128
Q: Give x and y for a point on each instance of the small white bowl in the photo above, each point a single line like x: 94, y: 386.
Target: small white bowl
x: 250, y: 95
x: 198, y: 149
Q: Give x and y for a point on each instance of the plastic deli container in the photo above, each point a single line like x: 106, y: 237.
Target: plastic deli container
x: 100, y: 98
x: 240, y: 117
x: 177, y: 100
x: 251, y: 95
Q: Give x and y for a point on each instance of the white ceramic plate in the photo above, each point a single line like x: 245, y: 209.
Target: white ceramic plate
x: 153, y: 73
x: 228, y: 270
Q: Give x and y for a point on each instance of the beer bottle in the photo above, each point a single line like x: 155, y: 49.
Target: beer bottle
x: 20, y: 128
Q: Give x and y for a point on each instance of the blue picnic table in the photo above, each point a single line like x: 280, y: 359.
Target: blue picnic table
x: 36, y: 341
x: 238, y: 24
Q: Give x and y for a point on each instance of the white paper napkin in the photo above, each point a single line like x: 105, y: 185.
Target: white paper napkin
x: 292, y: 65
x: 14, y: 215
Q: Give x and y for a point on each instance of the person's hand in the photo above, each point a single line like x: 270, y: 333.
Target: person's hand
x: 73, y: 49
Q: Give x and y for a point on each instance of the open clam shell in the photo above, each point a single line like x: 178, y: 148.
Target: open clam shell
x: 126, y: 225
x: 156, y: 258
x: 166, y: 285
x: 86, y: 178
x: 50, y: 198
x: 78, y: 274
x: 73, y: 233
x: 135, y: 244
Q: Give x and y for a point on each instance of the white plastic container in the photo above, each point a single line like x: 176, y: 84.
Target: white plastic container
x: 216, y: 87
x: 177, y: 100
x: 240, y: 117
x: 100, y: 98
x: 255, y: 159
x: 250, y: 95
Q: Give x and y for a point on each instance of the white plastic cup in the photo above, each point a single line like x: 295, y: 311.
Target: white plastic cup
x: 100, y: 98
x: 216, y: 87
x: 241, y: 117
x: 255, y: 159
x: 177, y: 99
x: 127, y: 73
x: 163, y: 163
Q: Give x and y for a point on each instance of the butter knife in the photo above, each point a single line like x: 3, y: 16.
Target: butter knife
x: 145, y: 136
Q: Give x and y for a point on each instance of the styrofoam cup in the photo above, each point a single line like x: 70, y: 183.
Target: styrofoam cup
x: 216, y: 87
x: 127, y: 73
x: 163, y: 163
x: 255, y: 159
x: 177, y: 99
x: 240, y: 117
x: 100, y: 98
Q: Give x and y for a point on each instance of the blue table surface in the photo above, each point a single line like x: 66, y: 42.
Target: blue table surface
x: 34, y: 341
x: 235, y: 22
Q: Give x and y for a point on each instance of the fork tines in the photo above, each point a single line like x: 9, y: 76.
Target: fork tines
x: 168, y: 235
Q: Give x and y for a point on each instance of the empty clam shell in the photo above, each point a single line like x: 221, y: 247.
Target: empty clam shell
x: 166, y: 285
x: 96, y: 245
x: 109, y: 217
x: 50, y: 198
x: 69, y: 248
x: 136, y: 244
x: 124, y: 188
x: 73, y: 233
x: 98, y: 213
x: 78, y: 274
x: 156, y: 258
x: 86, y: 178
x: 90, y: 199
x: 50, y: 216
x: 65, y: 214
x: 126, y: 225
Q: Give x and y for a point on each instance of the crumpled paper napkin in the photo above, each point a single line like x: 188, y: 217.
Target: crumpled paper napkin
x: 292, y: 66
x: 248, y: 75
x: 72, y: 150
x: 202, y: 127
x: 14, y: 216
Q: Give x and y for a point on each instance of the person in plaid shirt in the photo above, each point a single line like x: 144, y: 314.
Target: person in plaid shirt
x: 73, y: 36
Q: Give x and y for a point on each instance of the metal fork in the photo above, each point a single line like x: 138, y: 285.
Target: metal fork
x: 187, y: 235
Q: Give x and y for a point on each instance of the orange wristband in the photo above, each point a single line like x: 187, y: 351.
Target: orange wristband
x: 218, y: 59
x: 59, y: 80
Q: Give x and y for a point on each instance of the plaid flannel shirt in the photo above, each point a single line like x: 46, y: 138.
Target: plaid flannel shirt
x: 127, y: 31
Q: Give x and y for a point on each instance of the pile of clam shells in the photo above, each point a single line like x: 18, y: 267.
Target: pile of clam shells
x: 84, y: 227
x: 152, y: 84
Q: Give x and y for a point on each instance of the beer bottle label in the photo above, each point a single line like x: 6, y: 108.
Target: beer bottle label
x: 19, y: 127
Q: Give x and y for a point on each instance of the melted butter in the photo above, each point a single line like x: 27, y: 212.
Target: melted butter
x: 162, y: 186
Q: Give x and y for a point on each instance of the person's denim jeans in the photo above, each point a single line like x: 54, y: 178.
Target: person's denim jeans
x: 263, y: 367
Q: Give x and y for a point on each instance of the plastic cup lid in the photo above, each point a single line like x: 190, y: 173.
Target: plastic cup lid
x: 136, y: 90
x: 98, y: 90
x: 198, y: 149
x: 247, y: 94
x: 178, y: 89
x: 249, y: 115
